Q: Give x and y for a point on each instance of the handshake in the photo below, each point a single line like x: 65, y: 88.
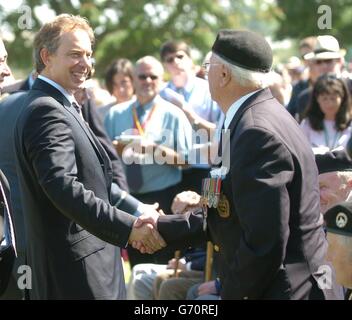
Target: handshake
x: 145, y: 236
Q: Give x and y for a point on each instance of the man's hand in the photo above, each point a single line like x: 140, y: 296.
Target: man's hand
x: 152, y: 211
x: 185, y: 201
x: 150, y: 215
x: 147, y: 237
x: 181, y: 264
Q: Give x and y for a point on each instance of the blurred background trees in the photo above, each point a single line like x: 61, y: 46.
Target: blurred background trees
x: 133, y: 28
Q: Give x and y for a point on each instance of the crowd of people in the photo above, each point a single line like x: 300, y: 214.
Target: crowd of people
x: 228, y: 181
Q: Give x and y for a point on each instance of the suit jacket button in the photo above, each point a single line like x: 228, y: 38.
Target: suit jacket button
x: 216, y: 248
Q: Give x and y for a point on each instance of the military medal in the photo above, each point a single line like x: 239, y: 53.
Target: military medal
x: 205, y: 216
x: 223, y: 207
x: 205, y: 201
x: 217, y: 191
x: 211, y: 192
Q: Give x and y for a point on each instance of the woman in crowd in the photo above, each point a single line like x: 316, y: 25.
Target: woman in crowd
x: 118, y: 80
x: 328, y: 117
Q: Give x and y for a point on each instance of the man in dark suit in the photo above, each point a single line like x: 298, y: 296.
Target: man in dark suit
x: 10, y: 108
x: 65, y: 178
x: 267, y: 225
x: 7, y: 237
x: 4, y: 69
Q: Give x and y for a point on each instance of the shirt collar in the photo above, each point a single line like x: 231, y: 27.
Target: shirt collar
x: 234, y: 108
x: 69, y: 97
x: 188, y: 86
x: 147, y: 105
x: 30, y: 80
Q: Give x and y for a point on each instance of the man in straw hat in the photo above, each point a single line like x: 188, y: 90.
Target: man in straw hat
x: 327, y: 57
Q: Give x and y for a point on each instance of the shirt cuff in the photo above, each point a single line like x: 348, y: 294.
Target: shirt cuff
x: 139, y: 210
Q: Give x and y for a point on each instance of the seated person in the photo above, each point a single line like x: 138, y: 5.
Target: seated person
x: 338, y: 221
x: 143, y: 276
x: 335, y: 178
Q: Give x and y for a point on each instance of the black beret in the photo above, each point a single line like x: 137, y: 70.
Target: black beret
x: 244, y: 49
x: 337, y: 160
x: 338, y: 219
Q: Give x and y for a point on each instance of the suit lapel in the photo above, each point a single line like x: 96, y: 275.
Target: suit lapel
x: 58, y: 96
x: 102, y: 155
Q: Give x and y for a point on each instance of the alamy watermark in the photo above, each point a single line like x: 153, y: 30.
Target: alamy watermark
x: 325, y: 20
x: 325, y: 279
x: 201, y: 150
x: 25, y: 280
x: 25, y: 21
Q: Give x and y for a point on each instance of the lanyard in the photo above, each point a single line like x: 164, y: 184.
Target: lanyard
x: 327, y: 139
x: 137, y: 124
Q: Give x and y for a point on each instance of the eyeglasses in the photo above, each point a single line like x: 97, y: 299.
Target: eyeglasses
x: 206, y: 66
x: 173, y: 58
x: 146, y: 76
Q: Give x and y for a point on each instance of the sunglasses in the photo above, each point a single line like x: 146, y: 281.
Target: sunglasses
x: 146, y: 76
x: 172, y: 59
x: 325, y: 61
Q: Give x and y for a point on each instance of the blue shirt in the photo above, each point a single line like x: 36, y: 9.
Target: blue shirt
x: 167, y: 126
x: 196, y: 94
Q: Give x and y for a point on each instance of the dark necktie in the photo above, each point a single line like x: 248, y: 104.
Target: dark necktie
x: 78, y: 109
x: 134, y: 177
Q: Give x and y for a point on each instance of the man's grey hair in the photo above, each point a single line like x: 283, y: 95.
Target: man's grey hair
x: 244, y: 77
x: 150, y: 60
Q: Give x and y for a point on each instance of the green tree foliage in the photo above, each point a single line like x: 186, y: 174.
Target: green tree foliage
x: 133, y: 28
x: 299, y: 18
x: 125, y: 28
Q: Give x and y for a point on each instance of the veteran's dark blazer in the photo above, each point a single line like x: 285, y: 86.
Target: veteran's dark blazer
x: 271, y: 241
x: 65, y: 178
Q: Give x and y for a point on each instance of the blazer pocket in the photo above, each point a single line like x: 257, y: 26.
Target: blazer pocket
x: 86, y: 245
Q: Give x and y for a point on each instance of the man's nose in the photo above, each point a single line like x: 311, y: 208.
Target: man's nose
x: 4, y: 70
x: 86, y: 61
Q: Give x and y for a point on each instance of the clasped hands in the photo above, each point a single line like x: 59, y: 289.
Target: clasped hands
x: 144, y: 235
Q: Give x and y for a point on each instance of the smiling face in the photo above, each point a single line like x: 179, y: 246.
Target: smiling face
x: 333, y: 189
x: 71, y: 63
x: 4, y: 69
